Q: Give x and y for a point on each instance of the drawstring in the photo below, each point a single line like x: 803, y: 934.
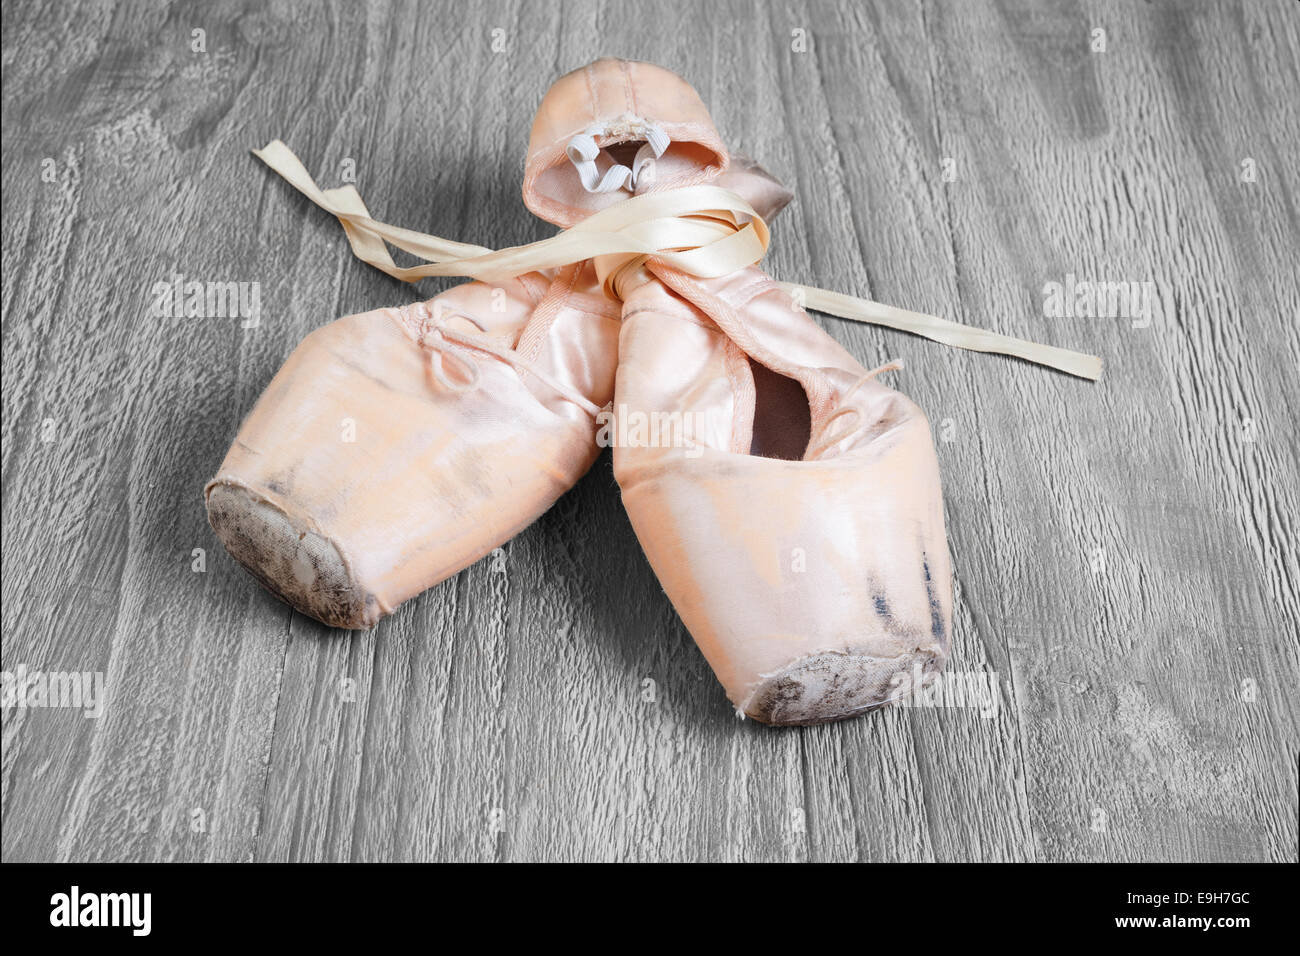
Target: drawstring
x: 434, y: 338
x: 704, y: 231
x: 440, y: 340
x: 852, y: 412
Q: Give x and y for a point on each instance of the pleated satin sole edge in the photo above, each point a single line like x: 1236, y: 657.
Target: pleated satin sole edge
x: 289, y: 558
x: 830, y: 686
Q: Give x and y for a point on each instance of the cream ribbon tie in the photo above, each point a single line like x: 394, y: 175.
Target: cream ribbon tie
x: 704, y: 231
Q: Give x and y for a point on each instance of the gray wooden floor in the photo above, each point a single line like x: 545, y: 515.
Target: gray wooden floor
x: 1125, y: 553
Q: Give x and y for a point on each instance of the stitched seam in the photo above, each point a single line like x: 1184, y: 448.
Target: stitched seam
x: 596, y: 305
x: 535, y: 286
x: 591, y: 89
x: 748, y: 291
x: 819, y: 395
x: 741, y: 377
x: 627, y: 87
x: 686, y: 314
x: 550, y: 309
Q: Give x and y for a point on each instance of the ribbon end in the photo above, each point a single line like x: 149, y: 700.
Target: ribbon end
x: 269, y: 150
x: 1092, y: 369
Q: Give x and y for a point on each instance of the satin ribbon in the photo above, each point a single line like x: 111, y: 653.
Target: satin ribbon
x: 704, y: 231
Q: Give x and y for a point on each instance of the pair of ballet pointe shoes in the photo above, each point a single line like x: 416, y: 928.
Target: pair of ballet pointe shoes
x: 787, y: 500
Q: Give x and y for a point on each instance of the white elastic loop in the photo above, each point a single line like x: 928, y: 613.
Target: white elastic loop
x: 582, y: 148
x: 584, y: 153
x: 646, y: 155
x: 656, y: 138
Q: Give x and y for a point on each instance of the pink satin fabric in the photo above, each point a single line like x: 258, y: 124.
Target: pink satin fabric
x: 841, y: 561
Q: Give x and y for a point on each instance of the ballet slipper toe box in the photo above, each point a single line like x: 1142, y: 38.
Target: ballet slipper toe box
x: 360, y: 479
x: 816, y: 590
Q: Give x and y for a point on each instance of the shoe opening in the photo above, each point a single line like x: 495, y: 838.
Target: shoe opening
x: 598, y: 170
x: 782, y: 416
x: 590, y: 112
x: 624, y: 154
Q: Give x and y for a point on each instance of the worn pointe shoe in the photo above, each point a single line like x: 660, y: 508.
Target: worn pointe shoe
x: 397, y: 447
x: 793, y: 514
x: 788, y: 502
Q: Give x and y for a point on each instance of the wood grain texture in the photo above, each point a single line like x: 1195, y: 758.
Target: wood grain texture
x: 1126, y: 554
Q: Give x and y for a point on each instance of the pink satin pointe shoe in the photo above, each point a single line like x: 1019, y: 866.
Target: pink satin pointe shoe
x: 397, y: 447
x: 788, y: 502
x: 793, y: 513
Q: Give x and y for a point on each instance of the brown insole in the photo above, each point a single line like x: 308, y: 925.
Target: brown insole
x: 782, y: 418
x: 624, y: 153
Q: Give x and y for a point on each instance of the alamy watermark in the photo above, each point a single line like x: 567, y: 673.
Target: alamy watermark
x: 190, y: 299
x: 622, y: 427
x: 80, y: 690
x: 75, y: 908
x: 1085, y: 299
x: 975, y: 690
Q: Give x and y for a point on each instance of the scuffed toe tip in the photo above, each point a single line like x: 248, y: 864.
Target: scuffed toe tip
x: 291, y: 560
x: 836, y: 685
